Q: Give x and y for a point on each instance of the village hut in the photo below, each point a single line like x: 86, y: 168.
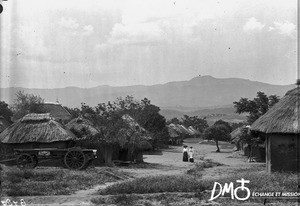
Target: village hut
x: 139, y: 140
x: 175, y: 138
x: 280, y: 127
x: 57, y: 111
x: 3, y: 124
x: 236, y: 138
x: 35, y: 131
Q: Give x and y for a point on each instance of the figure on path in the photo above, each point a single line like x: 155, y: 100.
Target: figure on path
x: 191, y: 154
x: 185, y: 154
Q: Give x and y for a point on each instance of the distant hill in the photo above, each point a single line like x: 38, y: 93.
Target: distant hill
x: 192, y: 95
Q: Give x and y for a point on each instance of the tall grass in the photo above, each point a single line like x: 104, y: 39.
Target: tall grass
x: 51, y: 181
x: 156, y: 184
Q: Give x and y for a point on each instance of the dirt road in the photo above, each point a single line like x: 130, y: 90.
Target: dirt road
x: 167, y: 162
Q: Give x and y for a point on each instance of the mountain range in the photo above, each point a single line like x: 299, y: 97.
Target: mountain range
x: 199, y: 93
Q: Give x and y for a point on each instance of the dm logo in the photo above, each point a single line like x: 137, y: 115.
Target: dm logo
x: 229, y: 188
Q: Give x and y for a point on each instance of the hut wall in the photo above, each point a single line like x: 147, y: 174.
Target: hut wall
x: 282, y: 152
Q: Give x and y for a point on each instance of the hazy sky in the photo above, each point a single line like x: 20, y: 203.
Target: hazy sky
x: 59, y: 43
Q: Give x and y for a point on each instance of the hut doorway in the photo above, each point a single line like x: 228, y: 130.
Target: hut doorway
x: 123, y: 155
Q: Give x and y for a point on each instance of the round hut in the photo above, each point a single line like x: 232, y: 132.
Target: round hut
x: 35, y: 131
x: 280, y: 127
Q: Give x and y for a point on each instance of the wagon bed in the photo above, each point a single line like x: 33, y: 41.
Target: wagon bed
x: 73, y: 158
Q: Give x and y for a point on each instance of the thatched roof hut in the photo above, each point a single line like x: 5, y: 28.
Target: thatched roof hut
x: 83, y: 127
x: 36, y: 128
x: 57, y: 111
x: 280, y: 127
x: 283, y: 117
x: 141, y: 137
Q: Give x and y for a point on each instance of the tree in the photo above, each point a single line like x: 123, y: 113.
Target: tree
x: 217, y: 133
x: 115, y: 132
x: 27, y: 103
x: 5, y: 111
x: 75, y: 112
x: 196, y: 122
x: 256, y: 107
x: 226, y: 124
x: 174, y: 121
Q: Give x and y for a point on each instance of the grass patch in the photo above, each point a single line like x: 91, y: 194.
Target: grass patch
x: 156, y: 184
x: 52, y: 181
x: 200, y: 166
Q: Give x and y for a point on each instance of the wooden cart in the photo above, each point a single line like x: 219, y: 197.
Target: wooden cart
x: 73, y: 158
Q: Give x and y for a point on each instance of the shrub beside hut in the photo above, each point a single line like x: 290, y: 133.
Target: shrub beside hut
x: 280, y: 127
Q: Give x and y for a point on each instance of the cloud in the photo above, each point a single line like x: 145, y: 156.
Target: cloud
x: 286, y: 28
x: 253, y: 25
x: 69, y: 23
x: 88, y: 30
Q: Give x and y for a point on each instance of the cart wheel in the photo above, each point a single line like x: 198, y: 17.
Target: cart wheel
x: 75, y: 159
x: 25, y: 161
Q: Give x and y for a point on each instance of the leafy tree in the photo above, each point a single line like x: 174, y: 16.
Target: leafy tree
x: 174, y: 121
x: 75, y: 112
x: 114, y: 131
x: 196, y: 122
x: 256, y: 107
x: 5, y: 111
x: 217, y: 133
x: 27, y: 103
x: 226, y: 124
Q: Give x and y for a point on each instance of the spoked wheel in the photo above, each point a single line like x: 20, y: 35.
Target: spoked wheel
x: 75, y: 159
x: 25, y: 161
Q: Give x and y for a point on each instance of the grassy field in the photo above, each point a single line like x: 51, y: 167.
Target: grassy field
x: 127, y: 192
x: 53, y: 181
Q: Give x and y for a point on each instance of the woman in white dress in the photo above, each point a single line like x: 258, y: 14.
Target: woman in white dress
x: 191, y: 154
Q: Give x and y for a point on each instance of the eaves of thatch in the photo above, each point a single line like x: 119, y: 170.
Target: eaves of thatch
x: 82, y: 125
x: 172, y: 132
x: 57, y: 111
x: 283, y: 117
x: 236, y: 134
x: 39, y: 128
x: 141, y: 136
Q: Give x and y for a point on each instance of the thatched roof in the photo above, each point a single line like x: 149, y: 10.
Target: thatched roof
x: 180, y: 129
x: 3, y: 124
x: 283, y: 117
x: 82, y: 125
x: 236, y: 134
x: 57, y: 111
x: 172, y: 132
x: 141, y: 136
x: 193, y: 130
x: 36, y: 128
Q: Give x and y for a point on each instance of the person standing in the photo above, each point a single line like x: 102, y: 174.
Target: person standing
x: 191, y: 154
x: 185, y: 154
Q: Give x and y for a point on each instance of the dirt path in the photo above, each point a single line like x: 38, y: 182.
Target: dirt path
x: 167, y: 162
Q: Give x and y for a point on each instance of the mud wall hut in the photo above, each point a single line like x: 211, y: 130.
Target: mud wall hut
x: 280, y: 127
